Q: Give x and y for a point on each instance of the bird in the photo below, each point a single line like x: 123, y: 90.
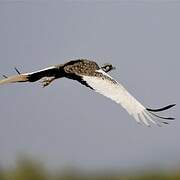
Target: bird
x: 95, y: 77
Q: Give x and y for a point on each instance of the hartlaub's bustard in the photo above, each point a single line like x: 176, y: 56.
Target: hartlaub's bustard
x: 91, y: 75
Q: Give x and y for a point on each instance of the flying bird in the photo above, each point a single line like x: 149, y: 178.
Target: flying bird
x: 90, y: 74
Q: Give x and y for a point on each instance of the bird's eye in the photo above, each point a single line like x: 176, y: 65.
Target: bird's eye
x: 106, y: 68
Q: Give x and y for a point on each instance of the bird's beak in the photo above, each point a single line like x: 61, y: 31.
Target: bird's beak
x: 113, y: 68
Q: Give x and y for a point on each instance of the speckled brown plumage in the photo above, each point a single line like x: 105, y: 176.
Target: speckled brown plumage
x: 81, y: 67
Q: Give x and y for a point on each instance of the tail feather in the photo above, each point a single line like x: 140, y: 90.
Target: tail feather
x: 14, y: 79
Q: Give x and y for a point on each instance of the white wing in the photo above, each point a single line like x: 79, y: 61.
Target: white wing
x: 115, y: 91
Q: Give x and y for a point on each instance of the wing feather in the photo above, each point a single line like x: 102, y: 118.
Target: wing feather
x: 115, y: 91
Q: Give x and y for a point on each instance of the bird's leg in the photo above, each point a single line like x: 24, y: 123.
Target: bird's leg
x: 47, y: 80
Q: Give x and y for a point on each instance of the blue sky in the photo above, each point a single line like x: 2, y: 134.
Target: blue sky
x: 67, y: 124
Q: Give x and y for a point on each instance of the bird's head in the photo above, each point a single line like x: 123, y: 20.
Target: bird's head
x: 107, y: 67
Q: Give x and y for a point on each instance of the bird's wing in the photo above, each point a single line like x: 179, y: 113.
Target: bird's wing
x: 32, y: 76
x: 47, y: 72
x: 110, y: 88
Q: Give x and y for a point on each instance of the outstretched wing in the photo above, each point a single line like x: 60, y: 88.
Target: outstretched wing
x: 32, y: 76
x: 107, y: 86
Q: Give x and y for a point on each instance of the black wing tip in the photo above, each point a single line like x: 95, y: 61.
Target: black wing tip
x: 170, y: 118
x: 161, y: 109
x: 173, y: 105
x: 165, y: 123
x: 161, y: 117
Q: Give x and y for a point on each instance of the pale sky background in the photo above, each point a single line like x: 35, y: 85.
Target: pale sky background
x: 67, y: 124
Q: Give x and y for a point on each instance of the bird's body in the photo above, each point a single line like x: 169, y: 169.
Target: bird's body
x: 88, y: 73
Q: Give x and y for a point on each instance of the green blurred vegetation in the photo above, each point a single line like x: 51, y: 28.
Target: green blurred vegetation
x: 30, y: 170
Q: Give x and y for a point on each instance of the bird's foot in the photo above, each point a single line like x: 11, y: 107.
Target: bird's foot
x: 46, y: 81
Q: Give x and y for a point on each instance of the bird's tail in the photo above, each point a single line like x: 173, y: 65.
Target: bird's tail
x: 14, y: 79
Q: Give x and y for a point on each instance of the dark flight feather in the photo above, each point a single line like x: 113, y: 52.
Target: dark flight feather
x: 161, y: 109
